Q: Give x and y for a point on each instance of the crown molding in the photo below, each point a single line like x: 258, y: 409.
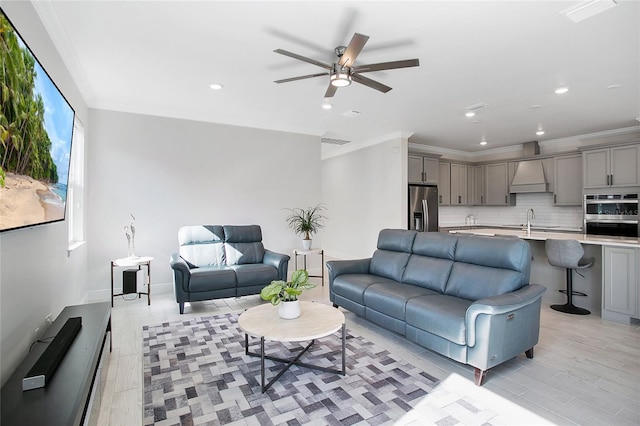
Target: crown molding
x: 447, y: 152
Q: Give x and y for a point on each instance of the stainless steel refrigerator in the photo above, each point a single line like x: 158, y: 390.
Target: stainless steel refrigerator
x: 423, y: 208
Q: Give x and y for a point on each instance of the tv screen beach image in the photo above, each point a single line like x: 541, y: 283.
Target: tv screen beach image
x: 36, y: 126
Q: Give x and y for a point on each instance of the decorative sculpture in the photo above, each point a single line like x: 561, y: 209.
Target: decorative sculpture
x: 130, y: 233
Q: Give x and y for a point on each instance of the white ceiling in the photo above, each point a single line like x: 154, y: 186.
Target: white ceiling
x: 159, y: 57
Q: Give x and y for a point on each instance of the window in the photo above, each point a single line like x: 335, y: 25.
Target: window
x: 75, y: 192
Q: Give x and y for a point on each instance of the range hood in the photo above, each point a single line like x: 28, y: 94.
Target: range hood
x: 529, y: 175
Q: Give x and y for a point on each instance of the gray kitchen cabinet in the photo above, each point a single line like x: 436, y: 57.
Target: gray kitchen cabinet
x: 619, y: 283
x: 423, y: 170
x: 459, y: 184
x: 476, y: 186
x: 497, y: 185
x: 567, y: 188
x: 444, y: 183
x: 611, y: 167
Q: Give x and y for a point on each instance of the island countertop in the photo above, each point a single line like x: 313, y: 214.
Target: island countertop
x: 601, y: 240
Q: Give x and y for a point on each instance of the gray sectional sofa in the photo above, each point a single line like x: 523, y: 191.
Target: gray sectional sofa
x: 465, y: 297
x: 216, y: 261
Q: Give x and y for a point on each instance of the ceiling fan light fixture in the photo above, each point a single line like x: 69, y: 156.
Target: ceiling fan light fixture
x: 340, y: 79
x: 340, y: 76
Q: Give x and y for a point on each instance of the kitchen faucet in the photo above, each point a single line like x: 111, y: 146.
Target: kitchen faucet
x: 530, y: 215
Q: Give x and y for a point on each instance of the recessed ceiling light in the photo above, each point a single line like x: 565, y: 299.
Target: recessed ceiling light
x: 327, y: 106
x: 469, y: 114
x: 561, y: 90
x: 540, y: 132
x: 613, y: 86
x: 483, y: 142
x: 216, y: 86
x: 534, y: 106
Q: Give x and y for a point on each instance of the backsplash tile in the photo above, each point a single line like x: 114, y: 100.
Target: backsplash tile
x: 546, y: 214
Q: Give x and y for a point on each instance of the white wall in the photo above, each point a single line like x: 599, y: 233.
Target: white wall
x: 171, y: 172
x: 365, y: 190
x: 36, y: 276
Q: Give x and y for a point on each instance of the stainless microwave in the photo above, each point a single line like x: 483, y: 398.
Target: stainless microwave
x: 612, y: 214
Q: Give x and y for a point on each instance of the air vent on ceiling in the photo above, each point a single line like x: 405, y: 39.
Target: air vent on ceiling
x: 351, y: 114
x: 334, y: 141
x: 476, y: 107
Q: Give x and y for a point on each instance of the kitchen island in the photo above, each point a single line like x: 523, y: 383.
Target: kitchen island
x: 611, y: 283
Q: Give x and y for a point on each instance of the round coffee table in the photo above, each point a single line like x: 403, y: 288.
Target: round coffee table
x: 316, y: 320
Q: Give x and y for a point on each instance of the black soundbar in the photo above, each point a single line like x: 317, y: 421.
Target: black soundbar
x: 46, y: 365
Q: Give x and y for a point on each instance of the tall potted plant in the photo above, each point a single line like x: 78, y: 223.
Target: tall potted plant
x: 306, y: 222
x: 285, y: 293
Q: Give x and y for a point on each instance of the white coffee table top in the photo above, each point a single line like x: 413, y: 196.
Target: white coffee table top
x: 316, y: 320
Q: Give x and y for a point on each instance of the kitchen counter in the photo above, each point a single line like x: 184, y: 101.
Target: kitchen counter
x: 548, y: 233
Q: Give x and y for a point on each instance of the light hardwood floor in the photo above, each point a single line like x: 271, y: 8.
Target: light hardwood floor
x: 585, y: 371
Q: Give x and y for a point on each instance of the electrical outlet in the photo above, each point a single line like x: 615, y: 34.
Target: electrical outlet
x: 48, y: 319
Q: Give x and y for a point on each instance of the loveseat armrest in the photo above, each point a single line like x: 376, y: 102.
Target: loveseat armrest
x: 279, y: 261
x: 502, y: 304
x: 181, y: 273
x: 342, y: 267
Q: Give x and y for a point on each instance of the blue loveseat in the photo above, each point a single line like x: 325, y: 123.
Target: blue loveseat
x: 465, y: 297
x: 216, y: 261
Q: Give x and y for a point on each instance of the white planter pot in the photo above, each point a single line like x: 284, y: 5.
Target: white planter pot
x: 289, y: 310
x: 306, y: 244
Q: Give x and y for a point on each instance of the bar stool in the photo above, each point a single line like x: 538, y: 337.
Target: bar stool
x: 568, y: 254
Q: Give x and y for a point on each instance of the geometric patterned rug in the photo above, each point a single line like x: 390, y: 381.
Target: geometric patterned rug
x: 196, y: 372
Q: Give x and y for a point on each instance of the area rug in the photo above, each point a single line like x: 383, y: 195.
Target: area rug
x: 196, y: 372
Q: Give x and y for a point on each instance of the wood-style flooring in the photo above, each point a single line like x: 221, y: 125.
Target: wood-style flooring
x: 586, y: 371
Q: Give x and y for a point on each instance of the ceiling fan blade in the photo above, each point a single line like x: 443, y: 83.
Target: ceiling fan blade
x: 353, y: 50
x: 302, y: 77
x: 407, y: 63
x: 331, y: 90
x: 302, y: 58
x: 370, y: 83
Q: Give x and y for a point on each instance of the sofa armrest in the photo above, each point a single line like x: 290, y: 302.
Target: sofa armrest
x: 502, y: 304
x: 279, y: 261
x: 341, y: 267
x: 181, y: 273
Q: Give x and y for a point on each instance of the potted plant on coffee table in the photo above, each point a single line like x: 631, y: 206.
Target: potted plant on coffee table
x: 285, y: 293
x: 306, y: 222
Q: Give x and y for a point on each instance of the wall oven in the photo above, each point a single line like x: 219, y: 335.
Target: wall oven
x: 612, y: 214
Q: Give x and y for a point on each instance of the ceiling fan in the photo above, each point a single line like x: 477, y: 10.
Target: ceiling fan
x: 342, y: 72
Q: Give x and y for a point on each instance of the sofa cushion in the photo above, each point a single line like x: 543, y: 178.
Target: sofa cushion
x: 243, y: 244
x: 202, y: 245
x: 498, y: 252
x: 439, y: 314
x: 389, y: 264
x: 254, y: 274
x: 396, y: 240
x: 353, y: 286
x: 390, y: 298
x: 207, y: 278
x: 242, y: 233
x: 435, y: 244
x: 474, y: 282
x: 428, y: 272
x: 488, y: 267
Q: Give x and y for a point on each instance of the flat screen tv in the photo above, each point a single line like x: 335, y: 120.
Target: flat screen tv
x: 36, y: 128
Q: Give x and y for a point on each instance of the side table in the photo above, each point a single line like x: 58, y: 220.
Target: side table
x: 304, y: 254
x: 133, y: 261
